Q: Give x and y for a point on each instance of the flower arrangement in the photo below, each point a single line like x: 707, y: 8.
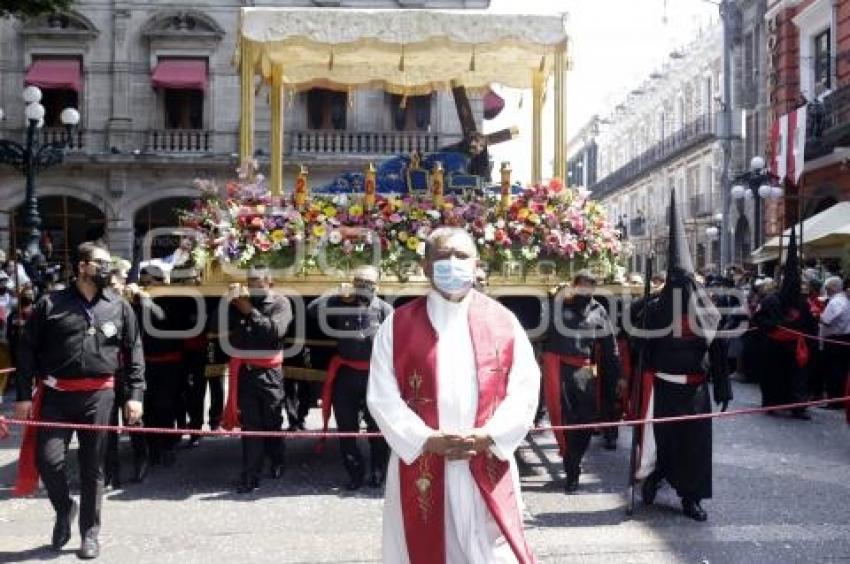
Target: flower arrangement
x: 242, y: 223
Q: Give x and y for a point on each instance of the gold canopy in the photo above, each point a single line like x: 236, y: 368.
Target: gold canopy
x: 406, y: 52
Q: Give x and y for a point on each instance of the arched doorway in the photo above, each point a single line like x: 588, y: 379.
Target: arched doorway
x: 743, y: 241
x: 162, y: 214
x: 65, y: 223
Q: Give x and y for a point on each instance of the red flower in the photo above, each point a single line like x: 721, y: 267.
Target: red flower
x: 556, y: 185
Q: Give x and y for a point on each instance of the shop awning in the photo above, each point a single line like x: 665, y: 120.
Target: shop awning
x: 401, y: 51
x: 826, y: 234
x: 55, y: 74
x: 185, y: 74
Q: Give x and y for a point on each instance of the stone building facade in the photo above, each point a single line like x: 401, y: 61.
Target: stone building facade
x: 148, y: 128
x: 808, y: 43
x: 662, y: 137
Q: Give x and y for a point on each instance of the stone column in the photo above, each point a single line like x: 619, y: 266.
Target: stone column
x: 120, y: 123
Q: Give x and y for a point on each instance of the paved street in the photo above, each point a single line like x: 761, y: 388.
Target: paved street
x: 781, y: 495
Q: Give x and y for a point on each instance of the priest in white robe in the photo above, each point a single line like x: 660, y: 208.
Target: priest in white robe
x: 483, y: 407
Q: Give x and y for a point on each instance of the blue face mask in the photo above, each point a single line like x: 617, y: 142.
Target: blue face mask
x: 454, y: 276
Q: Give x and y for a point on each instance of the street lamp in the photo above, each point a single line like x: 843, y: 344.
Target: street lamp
x: 31, y: 158
x: 757, y: 184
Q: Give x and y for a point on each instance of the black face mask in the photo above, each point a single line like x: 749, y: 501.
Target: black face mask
x: 581, y: 301
x: 102, y: 278
x: 26, y: 301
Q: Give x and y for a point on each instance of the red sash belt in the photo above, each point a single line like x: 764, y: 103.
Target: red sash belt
x: 552, y: 388
x: 165, y: 358
x: 784, y: 335
x: 27, y: 480
x: 337, y: 362
x: 230, y: 417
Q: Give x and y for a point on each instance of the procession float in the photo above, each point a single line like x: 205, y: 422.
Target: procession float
x: 531, y: 234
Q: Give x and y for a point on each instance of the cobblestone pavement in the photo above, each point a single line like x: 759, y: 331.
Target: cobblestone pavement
x: 782, y: 494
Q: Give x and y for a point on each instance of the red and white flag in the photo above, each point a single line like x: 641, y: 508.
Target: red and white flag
x: 788, y: 142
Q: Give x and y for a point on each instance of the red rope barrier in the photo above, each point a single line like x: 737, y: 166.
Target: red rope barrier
x: 336, y: 434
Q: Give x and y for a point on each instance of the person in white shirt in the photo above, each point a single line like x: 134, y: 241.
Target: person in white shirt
x: 835, y: 326
x: 453, y: 386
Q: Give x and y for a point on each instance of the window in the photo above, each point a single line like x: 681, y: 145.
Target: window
x: 326, y: 109
x: 184, y: 109
x: 414, y: 116
x: 822, y: 61
x: 56, y: 100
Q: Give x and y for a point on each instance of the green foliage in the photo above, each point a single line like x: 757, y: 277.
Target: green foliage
x: 31, y: 8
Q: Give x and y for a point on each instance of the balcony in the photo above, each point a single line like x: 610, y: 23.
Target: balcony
x: 337, y: 142
x: 190, y: 141
x: 701, y: 205
x: 60, y: 135
x: 698, y: 131
x: 828, y: 123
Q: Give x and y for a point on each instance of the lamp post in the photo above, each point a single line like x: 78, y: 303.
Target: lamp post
x: 756, y: 184
x: 713, y: 232
x: 33, y: 157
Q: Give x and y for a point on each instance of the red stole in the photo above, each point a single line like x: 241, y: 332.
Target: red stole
x: 337, y: 362
x: 230, y: 416
x: 422, y: 483
x: 27, y: 480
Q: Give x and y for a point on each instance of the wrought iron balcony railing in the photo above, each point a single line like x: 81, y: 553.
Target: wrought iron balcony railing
x: 363, y: 142
x: 698, y: 131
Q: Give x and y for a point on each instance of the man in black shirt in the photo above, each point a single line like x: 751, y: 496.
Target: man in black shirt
x: 71, y: 346
x: 582, y: 370
x: 257, y: 321
x: 353, y: 316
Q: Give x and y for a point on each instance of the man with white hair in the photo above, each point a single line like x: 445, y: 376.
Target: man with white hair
x: 453, y: 386
x: 835, y: 325
x: 352, y: 316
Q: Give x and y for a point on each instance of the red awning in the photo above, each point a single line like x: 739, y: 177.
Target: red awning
x: 55, y: 74
x: 493, y: 105
x: 180, y: 74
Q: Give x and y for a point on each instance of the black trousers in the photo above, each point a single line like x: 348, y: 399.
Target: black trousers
x: 75, y: 407
x: 195, y: 367
x: 349, y: 404
x: 260, y: 409
x: 300, y: 397
x: 163, y: 386
x: 578, y: 405
x: 835, y: 366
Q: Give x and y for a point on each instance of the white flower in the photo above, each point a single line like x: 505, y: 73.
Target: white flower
x: 420, y: 248
x: 422, y: 232
x: 335, y: 237
x: 489, y: 232
x: 500, y: 224
x: 433, y: 214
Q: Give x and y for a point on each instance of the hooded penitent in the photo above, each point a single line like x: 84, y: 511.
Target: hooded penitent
x: 681, y: 286
x: 790, y: 292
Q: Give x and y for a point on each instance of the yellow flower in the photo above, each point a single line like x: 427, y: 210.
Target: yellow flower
x: 356, y: 210
x: 278, y: 235
x: 330, y: 211
x: 413, y: 243
x: 534, y: 218
x: 261, y: 209
x: 550, y: 209
x: 319, y: 230
x: 523, y: 213
x: 403, y: 236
